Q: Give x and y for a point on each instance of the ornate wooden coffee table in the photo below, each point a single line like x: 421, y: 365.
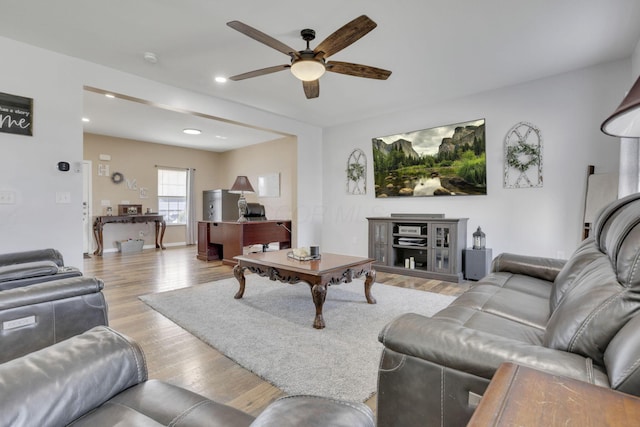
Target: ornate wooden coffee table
x: 331, y: 269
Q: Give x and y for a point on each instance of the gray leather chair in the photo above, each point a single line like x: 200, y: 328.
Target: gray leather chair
x: 99, y: 378
x: 577, y: 318
x: 43, y: 302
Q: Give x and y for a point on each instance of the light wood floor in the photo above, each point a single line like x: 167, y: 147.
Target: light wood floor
x: 176, y: 356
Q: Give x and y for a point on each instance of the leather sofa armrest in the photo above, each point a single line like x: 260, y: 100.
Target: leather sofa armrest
x: 49, y: 291
x: 31, y: 256
x: 27, y: 270
x: 479, y: 353
x: 539, y: 267
x: 58, y: 384
x: 314, y: 411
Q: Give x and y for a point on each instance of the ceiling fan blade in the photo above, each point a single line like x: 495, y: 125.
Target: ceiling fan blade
x: 346, y: 35
x: 263, y: 38
x: 311, y: 89
x: 358, y: 70
x: 260, y: 72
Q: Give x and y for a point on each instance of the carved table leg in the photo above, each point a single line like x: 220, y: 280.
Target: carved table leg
x: 97, y: 234
x: 319, y: 293
x: 160, y: 229
x: 369, y: 281
x: 239, y: 273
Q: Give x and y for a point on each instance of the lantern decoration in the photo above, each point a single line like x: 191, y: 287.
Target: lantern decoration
x: 479, y: 239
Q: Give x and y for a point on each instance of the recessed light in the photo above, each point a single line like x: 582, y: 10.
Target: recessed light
x: 189, y: 131
x: 221, y: 79
x: 109, y: 95
x: 86, y: 119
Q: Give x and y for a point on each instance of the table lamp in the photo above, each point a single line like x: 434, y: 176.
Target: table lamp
x: 241, y: 186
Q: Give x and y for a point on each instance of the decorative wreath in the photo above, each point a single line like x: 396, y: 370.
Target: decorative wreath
x: 117, y: 178
x: 520, y: 151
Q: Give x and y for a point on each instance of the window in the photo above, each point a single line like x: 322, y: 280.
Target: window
x: 172, y: 195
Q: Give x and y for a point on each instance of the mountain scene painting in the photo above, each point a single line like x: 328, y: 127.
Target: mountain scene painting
x: 442, y: 161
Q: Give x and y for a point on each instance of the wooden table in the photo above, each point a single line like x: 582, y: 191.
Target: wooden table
x: 331, y: 269
x: 100, y: 222
x: 521, y: 396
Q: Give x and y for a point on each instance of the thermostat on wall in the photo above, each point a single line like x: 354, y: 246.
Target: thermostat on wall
x: 63, y: 166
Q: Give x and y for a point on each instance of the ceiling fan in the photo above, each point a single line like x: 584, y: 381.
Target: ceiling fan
x: 310, y: 64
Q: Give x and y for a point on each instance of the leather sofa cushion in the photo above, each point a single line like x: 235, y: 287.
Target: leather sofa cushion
x: 622, y: 358
x: 591, y: 312
x: 604, y: 218
x: 27, y: 269
x: 477, y: 320
x: 584, y: 255
x: 519, y: 282
x: 525, y: 308
x: 622, y: 244
x: 313, y: 411
x: 156, y: 403
x: 598, y: 291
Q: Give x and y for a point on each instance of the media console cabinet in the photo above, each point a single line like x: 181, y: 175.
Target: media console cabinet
x: 428, y: 245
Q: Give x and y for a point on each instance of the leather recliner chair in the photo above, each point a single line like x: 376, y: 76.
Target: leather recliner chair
x: 99, y: 378
x: 43, y: 302
x: 576, y: 318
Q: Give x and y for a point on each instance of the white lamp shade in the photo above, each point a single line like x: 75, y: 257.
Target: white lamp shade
x: 308, y: 70
x: 625, y: 121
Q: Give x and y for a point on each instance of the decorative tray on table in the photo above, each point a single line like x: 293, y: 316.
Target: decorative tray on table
x: 302, y: 254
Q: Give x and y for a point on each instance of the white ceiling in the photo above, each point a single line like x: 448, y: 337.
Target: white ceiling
x: 436, y: 49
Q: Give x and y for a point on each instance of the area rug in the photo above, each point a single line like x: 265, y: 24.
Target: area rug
x: 269, y: 331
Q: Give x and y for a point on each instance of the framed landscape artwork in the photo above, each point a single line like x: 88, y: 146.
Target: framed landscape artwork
x: 442, y: 161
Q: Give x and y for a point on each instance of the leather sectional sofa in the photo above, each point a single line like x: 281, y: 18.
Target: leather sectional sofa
x: 99, y: 378
x: 43, y: 302
x: 576, y: 318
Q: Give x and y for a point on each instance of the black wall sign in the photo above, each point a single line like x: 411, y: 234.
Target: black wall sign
x: 16, y: 114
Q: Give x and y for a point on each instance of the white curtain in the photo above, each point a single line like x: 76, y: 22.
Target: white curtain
x: 191, y: 236
x: 629, y: 167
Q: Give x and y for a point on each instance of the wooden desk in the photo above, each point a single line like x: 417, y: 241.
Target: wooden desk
x: 225, y: 239
x: 521, y: 396
x: 101, y: 221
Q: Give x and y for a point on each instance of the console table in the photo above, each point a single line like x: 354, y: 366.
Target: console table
x: 225, y: 239
x: 100, y: 222
x: 522, y: 396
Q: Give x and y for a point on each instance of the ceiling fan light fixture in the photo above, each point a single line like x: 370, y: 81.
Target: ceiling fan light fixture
x: 308, y: 70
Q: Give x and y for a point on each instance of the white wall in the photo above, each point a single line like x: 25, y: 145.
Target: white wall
x: 635, y: 61
x: 29, y: 163
x: 568, y: 109
x: 55, y: 82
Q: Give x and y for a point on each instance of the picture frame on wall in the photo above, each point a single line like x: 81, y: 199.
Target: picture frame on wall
x: 269, y: 185
x: 446, y: 160
x: 16, y: 114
